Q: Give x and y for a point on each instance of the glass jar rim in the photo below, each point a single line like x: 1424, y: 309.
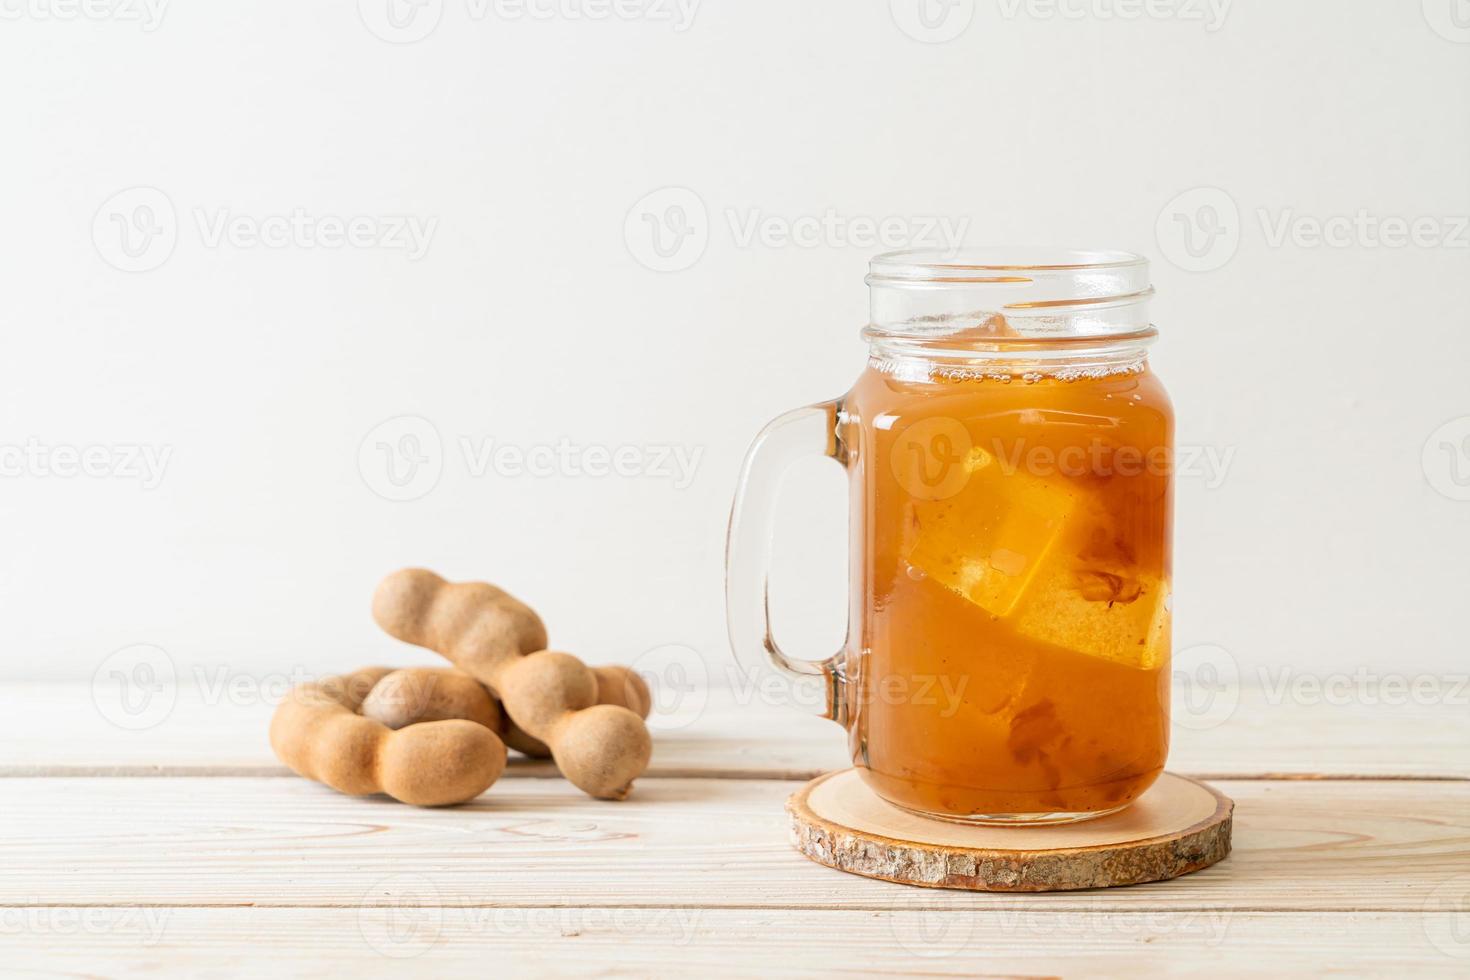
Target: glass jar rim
x: 1004, y: 297
x: 949, y: 265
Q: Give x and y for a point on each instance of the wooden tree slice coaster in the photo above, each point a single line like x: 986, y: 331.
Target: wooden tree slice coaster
x: 1176, y: 827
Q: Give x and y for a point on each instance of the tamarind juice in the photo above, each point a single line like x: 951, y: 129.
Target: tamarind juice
x: 1012, y: 576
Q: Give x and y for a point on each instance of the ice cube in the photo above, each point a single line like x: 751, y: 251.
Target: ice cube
x: 988, y: 541
x: 1046, y: 555
x: 1104, y: 613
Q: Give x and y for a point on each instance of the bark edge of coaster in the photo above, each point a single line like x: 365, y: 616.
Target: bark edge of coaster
x: 1177, y: 826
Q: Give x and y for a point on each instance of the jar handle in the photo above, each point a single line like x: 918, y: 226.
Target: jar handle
x: 799, y: 433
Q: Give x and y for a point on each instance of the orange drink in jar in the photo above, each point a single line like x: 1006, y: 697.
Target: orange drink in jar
x: 1011, y: 512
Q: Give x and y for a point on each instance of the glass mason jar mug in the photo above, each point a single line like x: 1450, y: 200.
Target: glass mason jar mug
x: 1009, y: 451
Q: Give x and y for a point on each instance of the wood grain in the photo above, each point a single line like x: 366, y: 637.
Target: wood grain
x: 669, y: 941
x: 1175, y: 828
x: 1335, y: 869
x: 59, y: 729
x: 1306, y: 845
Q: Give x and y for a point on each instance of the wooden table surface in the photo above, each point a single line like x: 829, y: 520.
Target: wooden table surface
x: 184, y: 848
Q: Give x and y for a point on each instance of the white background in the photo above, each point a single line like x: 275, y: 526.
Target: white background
x: 1333, y: 542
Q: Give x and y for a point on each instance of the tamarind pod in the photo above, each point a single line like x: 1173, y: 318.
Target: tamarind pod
x: 317, y: 732
x: 616, y: 684
x: 624, y: 687
x: 527, y: 746
x: 491, y: 636
x: 475, y: 625
x: 417, y: 694
x: 600, y: 748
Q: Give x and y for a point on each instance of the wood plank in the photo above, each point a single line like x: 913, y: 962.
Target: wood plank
x: 59, y: 729
x: 1300, y: 845
x: 659, y: 941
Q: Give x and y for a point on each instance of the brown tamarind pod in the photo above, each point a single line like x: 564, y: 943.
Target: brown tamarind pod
x: 474, y: 624
x: 416, y: 694
x: 318, y: 733
x: 616, y: 684
x: 500, y: 642
x: 516, y: 739
x: 552, y: 696
x: 623, y: 686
